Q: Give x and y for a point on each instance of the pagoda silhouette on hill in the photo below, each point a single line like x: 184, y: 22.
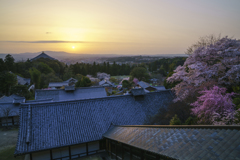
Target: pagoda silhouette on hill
x: 42, y: 55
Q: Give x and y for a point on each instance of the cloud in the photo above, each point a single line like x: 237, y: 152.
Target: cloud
x: 48, y: 32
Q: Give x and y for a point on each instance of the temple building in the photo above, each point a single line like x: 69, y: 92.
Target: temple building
x: 117, y: 125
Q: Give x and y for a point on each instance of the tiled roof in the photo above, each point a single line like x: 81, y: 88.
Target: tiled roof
x: 10, y: 99
x: 103, y: 82
x: 58, y: 124
x: 71, y: 79
x: 69, y: 88
x: 181, y: 143
x: 78, y: 93
x: 57, y: 84
x: 40, y: 101
x: 19, y: 100
x: 160, y: 88
x: 144, y: 84
x: 42, y: 55
x: 23, y: 81
x: 14, y: 109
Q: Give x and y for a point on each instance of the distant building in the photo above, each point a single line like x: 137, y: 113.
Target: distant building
x: 57, y: 85
x: 71, y: 81
x: 9, y: 109
x: 147, y: 87
x: 160, y: 88
x: 23, y: 81
x: 106, y: 83
x: 42, y: 55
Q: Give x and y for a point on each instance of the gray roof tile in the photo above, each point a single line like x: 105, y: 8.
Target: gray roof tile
x: 57, y: 124
x: 180, y: 143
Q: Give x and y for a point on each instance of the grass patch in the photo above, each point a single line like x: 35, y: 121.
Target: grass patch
x: 7, y: 154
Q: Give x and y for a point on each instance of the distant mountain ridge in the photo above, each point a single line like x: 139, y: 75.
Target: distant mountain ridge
x: 60, y: 55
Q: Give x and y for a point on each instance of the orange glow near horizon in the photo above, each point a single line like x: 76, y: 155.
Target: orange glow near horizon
x: 113, y: 27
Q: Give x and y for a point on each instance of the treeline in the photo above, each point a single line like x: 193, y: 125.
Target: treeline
x: 42, y: 71
x: 166, y: 65
x: 92, y: 69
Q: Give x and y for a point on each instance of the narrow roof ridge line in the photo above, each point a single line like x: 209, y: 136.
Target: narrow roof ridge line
x: 237, y: 127
x: 87, y: 99
x: 76, y: 100
x: 28, y: 124
x: 63, y: 89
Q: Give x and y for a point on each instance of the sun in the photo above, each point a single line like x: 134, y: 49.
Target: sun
x: 73, y: 47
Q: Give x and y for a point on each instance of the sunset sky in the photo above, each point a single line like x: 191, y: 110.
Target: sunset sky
x: 113, y: 26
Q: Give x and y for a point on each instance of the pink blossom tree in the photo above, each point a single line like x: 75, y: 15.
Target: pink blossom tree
x: 135, y: 80
x: 217, y: 63
x: 214, y: 106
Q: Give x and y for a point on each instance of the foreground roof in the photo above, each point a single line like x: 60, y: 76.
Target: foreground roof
x: 138, y: 91
x: 78, y: 93
x: 58, y: 124
x: 189, y: 142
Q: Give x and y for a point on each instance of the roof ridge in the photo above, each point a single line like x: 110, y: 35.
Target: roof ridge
x: 88, y: 99
x: 63, y: 89
x: 237, y: 127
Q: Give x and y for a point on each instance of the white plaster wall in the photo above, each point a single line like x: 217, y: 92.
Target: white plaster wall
x: 44, y: 155
x: 60, y: 152
x: 93, y: 146
x: 16, y: 120
x: 4, y: 120
x: 78, y: 149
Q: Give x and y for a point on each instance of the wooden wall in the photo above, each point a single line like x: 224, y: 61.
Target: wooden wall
x: 76, y: 151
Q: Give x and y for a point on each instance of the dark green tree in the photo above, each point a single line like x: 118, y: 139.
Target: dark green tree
x: 84, y: 82
x: 21, y: 90
x: 126, y: 84
x: 78, y: 76
x: 35, y: 77
x: 43, y: 68
x: 46, y: 78
x: 7, y: 81
x: 175, y: 120
x: 68, y: 73
x: 140, y: 73
x: 113, y: 80
x: 2, y: 65
x: 9, y: 63
x: 191, y: 121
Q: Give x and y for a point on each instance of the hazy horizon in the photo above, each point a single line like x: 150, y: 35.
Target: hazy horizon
x: 124, y: 27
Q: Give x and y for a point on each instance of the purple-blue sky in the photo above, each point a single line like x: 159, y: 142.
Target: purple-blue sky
x: 114, y: 26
